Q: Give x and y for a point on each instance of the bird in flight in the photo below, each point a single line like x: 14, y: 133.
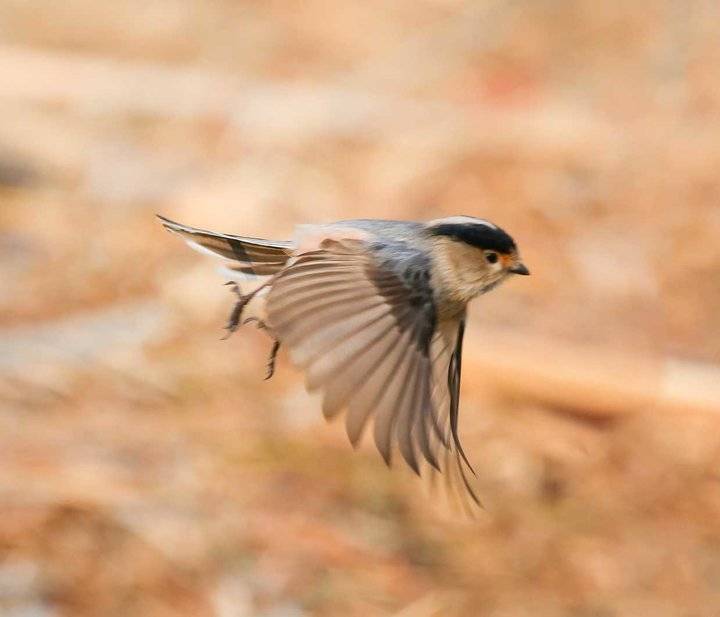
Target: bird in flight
x: 373, y: 312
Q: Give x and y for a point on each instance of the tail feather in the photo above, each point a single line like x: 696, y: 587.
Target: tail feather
x: 253, y: 256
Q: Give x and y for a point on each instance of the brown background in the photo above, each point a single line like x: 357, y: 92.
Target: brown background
x: 146, y: 468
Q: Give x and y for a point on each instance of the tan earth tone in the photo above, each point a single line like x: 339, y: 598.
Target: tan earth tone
x: 146, y: 468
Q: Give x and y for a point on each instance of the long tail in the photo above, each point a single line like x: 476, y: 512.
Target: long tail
x: 253, y: 256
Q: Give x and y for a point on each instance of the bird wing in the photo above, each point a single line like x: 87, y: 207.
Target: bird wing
x: 359, y: 318
x: 446, y: 352
x: 254, y: 256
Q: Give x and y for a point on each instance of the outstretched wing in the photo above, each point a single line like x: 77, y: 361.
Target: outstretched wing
x: 359, y: 318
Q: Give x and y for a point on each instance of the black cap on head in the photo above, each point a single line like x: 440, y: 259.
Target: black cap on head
x: 480, y: 235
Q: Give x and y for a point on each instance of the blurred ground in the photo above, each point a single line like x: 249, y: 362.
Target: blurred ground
x: 146, y: 468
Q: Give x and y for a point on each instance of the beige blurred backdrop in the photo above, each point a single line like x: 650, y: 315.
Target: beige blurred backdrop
x: 145, y: 466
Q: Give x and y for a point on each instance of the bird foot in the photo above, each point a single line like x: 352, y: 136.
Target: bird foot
x: 271, y: 360
x: 235, y: 319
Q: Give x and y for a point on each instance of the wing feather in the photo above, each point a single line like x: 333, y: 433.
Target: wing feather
x: 366, y: 335
x: 366, y: 400
x: 307, y: 342
x: 317, y: 316
x: 423, y: 428
x: 343, y: 383
x: 348, y: 356
x: 333, y: 296
x: 405, y: 414
x: 386, y: 411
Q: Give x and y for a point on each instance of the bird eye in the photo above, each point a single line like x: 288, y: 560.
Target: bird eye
x: 491, y: 257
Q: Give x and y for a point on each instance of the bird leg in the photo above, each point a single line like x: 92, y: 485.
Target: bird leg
x: 271, y: 360
x: 236, y: 314
x: 261, y: 325
x: 234, y: 322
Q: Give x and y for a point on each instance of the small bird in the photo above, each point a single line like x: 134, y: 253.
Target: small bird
x: 374, y: 313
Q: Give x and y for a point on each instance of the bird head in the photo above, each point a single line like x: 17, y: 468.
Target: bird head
x: 472, y: 255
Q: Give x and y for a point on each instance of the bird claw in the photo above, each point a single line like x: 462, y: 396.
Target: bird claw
x: 261, y: 325
x: 235, y: 319
x: 236, y: 315
x: 271, y: 360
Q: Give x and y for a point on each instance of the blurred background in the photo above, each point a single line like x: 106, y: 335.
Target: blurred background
x: 145, y: 466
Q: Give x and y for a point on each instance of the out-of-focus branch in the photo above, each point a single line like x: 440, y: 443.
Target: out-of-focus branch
x: 591, y: 381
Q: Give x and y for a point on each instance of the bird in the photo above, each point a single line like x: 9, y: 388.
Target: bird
x: 374, y: 312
